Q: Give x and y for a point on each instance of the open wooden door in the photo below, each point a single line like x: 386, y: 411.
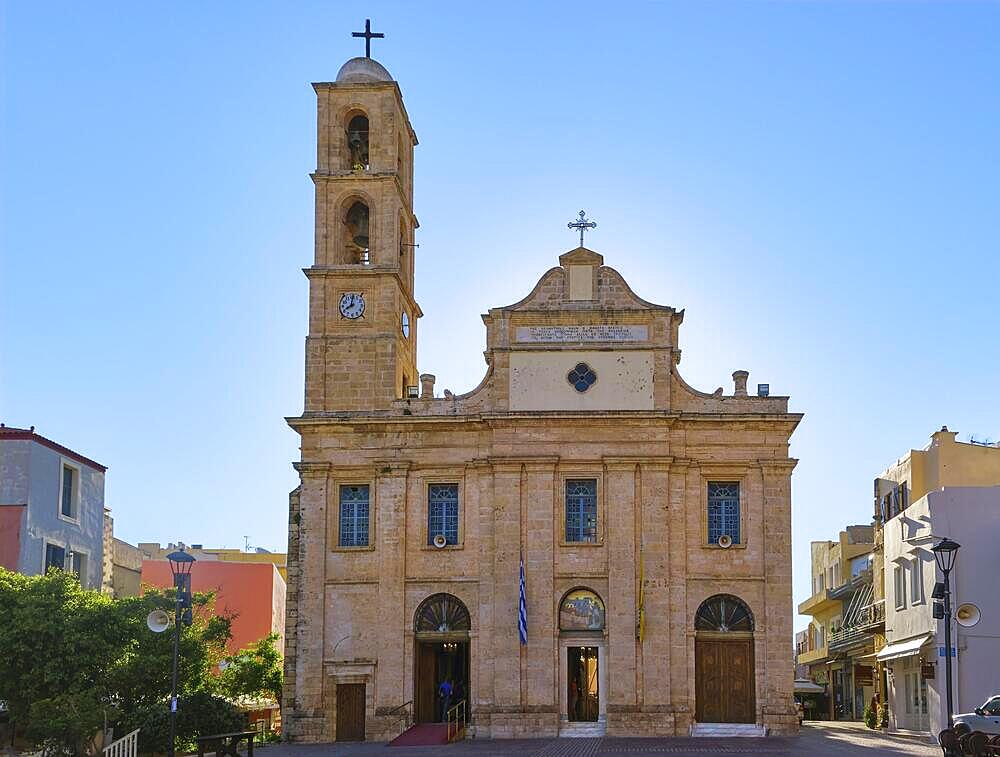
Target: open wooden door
x: 425, y: 686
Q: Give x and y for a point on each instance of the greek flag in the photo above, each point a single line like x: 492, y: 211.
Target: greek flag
x: 522, y: 610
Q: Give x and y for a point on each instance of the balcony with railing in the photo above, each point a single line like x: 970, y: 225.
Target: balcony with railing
x: 813, y: 655
x: 863, y: 619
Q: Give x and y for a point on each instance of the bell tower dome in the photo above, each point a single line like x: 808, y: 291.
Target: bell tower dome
x: 361, y: 348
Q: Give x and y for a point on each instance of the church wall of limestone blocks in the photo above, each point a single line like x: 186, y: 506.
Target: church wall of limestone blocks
x: 583, y: 452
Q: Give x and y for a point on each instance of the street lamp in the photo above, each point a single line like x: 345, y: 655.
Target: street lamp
x: 180, y: 565
x: 945, y: 553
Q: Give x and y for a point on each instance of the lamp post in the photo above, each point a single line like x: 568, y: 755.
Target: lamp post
x: 180, y: 565
x: 945, y: 553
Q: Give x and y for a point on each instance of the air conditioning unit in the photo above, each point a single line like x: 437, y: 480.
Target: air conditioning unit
x: 439, y: 541
x: 725, y: 541
x: 412, y: 392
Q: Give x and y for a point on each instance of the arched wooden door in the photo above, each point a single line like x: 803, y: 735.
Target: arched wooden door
x: 724, y: 661
x: 441, y: 634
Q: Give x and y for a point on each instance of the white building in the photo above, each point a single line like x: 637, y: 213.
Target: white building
x: 915, y: 649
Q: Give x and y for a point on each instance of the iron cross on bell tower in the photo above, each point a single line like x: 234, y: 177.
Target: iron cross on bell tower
x: 583, y: 224
x: 369, y: 35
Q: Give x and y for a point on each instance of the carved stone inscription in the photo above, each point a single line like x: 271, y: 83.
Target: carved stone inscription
x: 597, y: 333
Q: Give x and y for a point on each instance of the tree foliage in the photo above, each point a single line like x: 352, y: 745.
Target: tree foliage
x: 254, y: 672
x: 74, y: 659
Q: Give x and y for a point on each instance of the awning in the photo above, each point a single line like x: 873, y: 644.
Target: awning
x: 903, y: 648
x: 808, y: 687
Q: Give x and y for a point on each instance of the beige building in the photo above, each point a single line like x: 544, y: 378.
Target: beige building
x: 653, y: 519
x: 847, y: 620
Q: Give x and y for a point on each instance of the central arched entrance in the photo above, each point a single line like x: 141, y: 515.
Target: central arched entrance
x: 582, y: 664
x: 441, y: 628
x: 724, y: 661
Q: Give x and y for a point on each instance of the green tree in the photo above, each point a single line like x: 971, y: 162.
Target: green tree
x: 60, y: 644
x: 73, y: 658
x: 254, y: 672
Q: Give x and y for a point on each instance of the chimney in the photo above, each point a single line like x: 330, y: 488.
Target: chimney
x: 427, y: 386
x: 740, y: 379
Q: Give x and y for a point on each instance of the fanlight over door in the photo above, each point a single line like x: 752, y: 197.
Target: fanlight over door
x: 441, y: 613
x: 723, y: 613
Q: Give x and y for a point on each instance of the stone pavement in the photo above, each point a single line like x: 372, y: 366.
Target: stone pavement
x: 816, y: 740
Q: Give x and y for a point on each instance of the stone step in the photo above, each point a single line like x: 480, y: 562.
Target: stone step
x: 727, y: 730
x: 582, y: 730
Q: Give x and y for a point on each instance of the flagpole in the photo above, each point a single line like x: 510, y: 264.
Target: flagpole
x: 522, y: 605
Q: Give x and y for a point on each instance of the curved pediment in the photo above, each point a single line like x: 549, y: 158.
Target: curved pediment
x: 581, y: 281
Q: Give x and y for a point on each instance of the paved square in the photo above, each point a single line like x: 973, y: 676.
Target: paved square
x: 815, y: 740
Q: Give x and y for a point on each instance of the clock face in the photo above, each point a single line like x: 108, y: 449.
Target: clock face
x: 352, y: 304
x: 405, y: 325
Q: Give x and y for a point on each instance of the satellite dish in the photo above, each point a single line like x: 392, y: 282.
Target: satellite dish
x: 968, y: 615
x: 725, y: 541
x: 158, y: 621
x: 440, y: 541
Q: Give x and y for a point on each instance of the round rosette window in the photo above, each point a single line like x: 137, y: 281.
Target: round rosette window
x: 582, y: 377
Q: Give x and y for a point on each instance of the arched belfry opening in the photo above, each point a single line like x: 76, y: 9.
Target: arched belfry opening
x: 357, y: 142
x: 357, y: 233
x: 724, y: 661
x: 441, y: 627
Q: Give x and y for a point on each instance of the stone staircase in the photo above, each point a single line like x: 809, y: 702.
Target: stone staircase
x: 727, y: 730
x: 580, y: 730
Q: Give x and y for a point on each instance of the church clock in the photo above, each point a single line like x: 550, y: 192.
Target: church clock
x: 352, y: 305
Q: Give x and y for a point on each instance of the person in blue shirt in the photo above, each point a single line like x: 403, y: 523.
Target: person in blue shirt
x: 445, y: 690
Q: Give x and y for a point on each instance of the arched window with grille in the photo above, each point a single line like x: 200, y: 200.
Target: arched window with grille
x: 723, y: 613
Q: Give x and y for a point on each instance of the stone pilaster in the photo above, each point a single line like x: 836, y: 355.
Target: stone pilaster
x: 620, y: 532
x: 304, y: 712
x: 654, y: 650
x: 683, y: 479
x: 507, y: 540
x: 539, y: 566
x: 778, y: 710
x: 390, y: 516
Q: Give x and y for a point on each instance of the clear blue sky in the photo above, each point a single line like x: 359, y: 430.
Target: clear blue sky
x: 815, y: 183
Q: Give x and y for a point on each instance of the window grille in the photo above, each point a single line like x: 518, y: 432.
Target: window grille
x: 581, y: 510
x: 442, y: 512
x: 354, y: 512
x: 724, y: 511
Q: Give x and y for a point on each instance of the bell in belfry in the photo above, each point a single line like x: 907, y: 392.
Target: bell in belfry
x: 357, y: 141
x: 357, y: 228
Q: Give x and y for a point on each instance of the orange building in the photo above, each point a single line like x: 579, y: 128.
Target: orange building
x: 253, y: 593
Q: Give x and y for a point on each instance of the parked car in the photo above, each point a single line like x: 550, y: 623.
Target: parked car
x: 985, y: 718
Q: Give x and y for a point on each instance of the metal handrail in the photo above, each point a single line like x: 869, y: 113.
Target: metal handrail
x: 400, y: 710
x: 459, y: 712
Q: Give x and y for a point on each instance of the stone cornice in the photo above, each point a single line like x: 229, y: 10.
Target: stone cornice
x: 620, y: 463
x: 389, y: 467
x: 312, y: 470
x: 785, y: 463
x: 601, y: 418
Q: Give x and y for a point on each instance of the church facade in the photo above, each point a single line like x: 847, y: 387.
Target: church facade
x: 651, y: 520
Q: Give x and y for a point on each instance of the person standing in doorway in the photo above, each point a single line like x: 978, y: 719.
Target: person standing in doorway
x: 445, y: 690
x: 574, y: 698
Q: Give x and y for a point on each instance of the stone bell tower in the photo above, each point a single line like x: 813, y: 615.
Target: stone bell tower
x: 361, y: 349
